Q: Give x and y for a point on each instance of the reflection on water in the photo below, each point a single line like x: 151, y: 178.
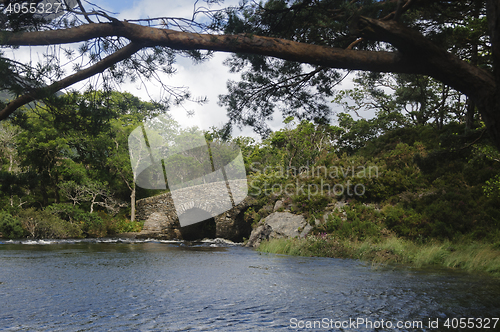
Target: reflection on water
x: 171, y: 286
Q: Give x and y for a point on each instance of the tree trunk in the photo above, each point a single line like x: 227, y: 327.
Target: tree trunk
x: 57, y: 196
x: 45, y: 196
x: 471, y: 107
x: 469, y: 115
x: 132, y: 203
x: 92, y: 203
x: 11, y: 162
x: 489, y: 107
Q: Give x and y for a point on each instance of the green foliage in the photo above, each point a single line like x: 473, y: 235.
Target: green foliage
x: 432, y: 183
x: 75, y: 150
x: 320, y: 246
x: 492, y: 187
x: 116, y: 226
x: 302, y: 145
x: 90, y: 224
x: 267, y: 84
x: 310, y: 204
x: 66, y: 211
x: 405, y: 222
x: 355, y: 221
x: 10, y: 227
x: 251, y: 216
x: 93, y: 225
x: 42, y: 224
x: 434, y: 177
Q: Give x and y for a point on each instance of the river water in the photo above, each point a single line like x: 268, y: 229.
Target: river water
x: 114, y: 285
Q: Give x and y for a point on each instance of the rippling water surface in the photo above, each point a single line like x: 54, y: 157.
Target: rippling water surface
x: 159, y: 286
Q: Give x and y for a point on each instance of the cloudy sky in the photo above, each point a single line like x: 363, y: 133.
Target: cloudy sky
x: 206, y: 79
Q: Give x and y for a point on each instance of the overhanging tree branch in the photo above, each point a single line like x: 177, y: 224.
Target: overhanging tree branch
x: 416, y: 54
x: 412, y: 46
x: 406, y: 40
x: 280, y: 48
x: 99, y: 67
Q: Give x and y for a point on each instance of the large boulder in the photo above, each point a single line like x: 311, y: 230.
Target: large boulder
x: 279, y: 225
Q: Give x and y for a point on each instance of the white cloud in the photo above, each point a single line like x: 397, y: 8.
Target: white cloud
x: 153, y: 8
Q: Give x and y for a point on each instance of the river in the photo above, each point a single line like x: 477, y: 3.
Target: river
x: 110, y: 285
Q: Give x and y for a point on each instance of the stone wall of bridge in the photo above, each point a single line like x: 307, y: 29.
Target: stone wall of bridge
x: 161, y: 215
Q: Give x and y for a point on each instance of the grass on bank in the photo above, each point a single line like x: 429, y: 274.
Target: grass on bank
x: 471, y: 257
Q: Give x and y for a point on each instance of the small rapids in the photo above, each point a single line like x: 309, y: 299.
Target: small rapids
x: 218, y: 242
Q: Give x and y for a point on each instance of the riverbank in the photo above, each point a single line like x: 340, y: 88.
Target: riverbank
x: 471, y: 257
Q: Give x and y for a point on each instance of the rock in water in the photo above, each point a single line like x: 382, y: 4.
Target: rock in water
x: 278, y: 225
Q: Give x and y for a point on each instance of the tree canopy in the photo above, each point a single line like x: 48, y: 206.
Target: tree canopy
x: 456, y: 43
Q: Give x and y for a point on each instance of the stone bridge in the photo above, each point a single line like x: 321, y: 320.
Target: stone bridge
x: 223, y: 218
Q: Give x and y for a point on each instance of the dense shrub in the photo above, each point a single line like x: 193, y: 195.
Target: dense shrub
x: 354, y: 221
x: 91, y: 224
x: 310, y: 204
x: 67, y: 211
x: 97, y: 224
x: 43, y: 224
x: 10, y: 227
x: 406, y: 222
x: 117, y: 226
x: 114, y: 225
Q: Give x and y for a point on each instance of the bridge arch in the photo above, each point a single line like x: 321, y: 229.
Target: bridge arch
x: 198, y: 230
